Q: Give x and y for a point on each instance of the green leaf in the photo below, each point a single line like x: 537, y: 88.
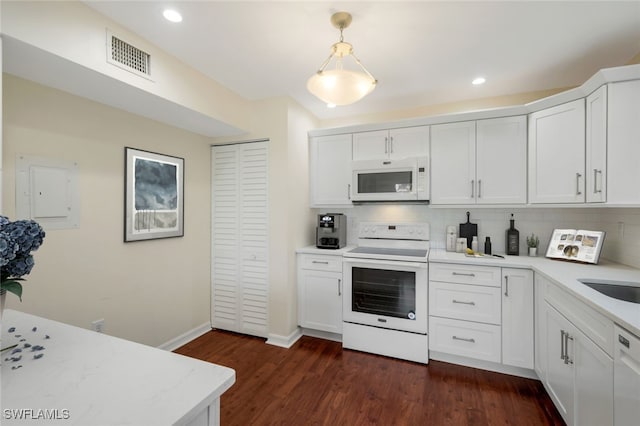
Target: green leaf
x: 13, y: 286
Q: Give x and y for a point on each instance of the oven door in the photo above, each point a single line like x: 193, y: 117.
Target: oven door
x: 386, y: 294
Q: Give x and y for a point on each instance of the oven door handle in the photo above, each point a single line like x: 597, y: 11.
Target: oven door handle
x: 386, y: 264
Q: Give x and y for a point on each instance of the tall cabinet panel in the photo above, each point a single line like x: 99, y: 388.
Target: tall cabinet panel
x: 239, y: 259
x: 557, y: 154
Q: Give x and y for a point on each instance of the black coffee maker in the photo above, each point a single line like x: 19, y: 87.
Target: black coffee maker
x: 331, y: 231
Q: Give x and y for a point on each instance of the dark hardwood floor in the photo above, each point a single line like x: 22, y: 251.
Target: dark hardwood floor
x: 316, y: 382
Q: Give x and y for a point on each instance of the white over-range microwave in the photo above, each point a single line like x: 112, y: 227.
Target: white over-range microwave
x: 391, y: 180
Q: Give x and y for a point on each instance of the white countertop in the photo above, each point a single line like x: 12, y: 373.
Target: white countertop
x: 100, y: 379
x: 330, y: 252
x: 565, y: 273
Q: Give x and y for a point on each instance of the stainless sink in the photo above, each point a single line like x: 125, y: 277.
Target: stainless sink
x: 622, y: 290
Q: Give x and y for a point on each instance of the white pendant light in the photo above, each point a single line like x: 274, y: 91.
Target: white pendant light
x: 340, y: 86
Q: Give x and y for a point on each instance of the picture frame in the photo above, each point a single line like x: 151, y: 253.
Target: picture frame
x: 154, y: 195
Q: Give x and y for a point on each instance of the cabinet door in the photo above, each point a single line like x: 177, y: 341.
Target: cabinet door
x: 559, y: 381
x: 371, y: 145
x: 594, y: 382
x: 557, y: 154
x: 596, y: 146
x: 330, y: 171
x: 453, y: 163
x: 623, y: 173
x: 501, y: 161
x: 409, y: 142
x: 320, y: 300
x: 517, y: 317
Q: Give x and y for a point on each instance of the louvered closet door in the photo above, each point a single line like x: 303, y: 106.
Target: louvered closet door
x: 239, y: 238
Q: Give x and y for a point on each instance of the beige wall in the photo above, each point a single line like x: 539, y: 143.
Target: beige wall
x: 150, y: 291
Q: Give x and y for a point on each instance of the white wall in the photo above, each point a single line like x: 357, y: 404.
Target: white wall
x: 493, y: 222
x: 149, y: 291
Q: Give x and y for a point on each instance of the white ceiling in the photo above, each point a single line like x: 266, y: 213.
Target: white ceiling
x: 422, y: 52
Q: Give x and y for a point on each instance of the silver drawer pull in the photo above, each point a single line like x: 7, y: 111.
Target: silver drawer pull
x: 464, y: 303
x: 464, y: 275
x: 464, y: 339
x: 320, y: 261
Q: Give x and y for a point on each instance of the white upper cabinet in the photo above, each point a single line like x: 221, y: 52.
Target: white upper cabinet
x: 623, y: 143
x: 479, y: 162
x: 453, y: 163
x: 596, y: 146
x: 557, y: 154
x: 391, y: 144
x: 501, y: 161
x: 330, y: 171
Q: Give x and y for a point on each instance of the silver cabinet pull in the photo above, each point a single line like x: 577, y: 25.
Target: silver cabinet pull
x: 562, y: 341
x: 464, y: 275
x: 391, y: 145
x: 320, y: 262
x: 386, y: 145
x: 479, y: 188
x: 348, y: 191
x: 339, y: 287
x: 464, y: 339
x: 464, y: 303
x: 472, y: 187
x: 567, y: 337
x: 506, y: 285
x: 578, y: 176
x: 595, y: 181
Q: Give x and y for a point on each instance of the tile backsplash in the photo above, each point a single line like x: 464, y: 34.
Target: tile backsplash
x: 622, y: 225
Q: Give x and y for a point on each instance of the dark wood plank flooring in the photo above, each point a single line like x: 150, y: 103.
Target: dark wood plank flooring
x: 316, y: 382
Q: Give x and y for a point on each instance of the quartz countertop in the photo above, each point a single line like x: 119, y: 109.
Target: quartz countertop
x: 330, y: 252
x: 565, y: 273
x: 89, y: 378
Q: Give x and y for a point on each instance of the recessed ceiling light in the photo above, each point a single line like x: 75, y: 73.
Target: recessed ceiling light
x: 477, y: 81
x: 331, y: 105
x: 172, y: 15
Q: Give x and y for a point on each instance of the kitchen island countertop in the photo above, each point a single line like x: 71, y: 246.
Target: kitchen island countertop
x: 81, y: 377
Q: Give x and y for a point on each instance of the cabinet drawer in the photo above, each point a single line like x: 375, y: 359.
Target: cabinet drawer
x: 320, y: 262
x: 592, y: 323
x: 465, y: 274
x: 463, y: 338
x: 465, y: 302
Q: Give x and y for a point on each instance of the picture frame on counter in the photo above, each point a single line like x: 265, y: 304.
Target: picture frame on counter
x: 154, y: 195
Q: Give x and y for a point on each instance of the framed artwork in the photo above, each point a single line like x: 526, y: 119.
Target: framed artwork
x: 154, y: 196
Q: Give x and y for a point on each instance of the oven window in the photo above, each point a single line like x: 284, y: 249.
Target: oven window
x: 384, y: 182
x: 382, y: 292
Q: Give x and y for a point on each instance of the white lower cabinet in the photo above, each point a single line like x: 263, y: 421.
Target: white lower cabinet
x: 577, y: 373
x: 320, y: 292
x: 517, y: 317
x: 482, y: 312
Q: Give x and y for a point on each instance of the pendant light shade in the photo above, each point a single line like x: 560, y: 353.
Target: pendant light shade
x: 340, y: 86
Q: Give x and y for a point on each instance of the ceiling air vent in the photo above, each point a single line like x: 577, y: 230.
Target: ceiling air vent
x: 127, y: 56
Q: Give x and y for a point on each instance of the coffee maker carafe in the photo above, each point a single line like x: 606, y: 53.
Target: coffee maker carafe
x: 331, y: 231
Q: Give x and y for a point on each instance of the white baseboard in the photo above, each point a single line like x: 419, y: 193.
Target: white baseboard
x: 185, y: 338
x: 284, y: 341
x: 483, y: 365
x: 321, y: 334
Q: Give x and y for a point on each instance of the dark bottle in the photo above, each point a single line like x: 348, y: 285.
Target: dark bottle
x: 513, y: 239
x: 487, y: 245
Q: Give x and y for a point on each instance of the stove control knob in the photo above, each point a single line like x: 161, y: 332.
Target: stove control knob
x: 411, y: 315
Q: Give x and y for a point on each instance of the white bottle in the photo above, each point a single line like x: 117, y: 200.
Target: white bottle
x: 451, y: 238
x: 474, y: 244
